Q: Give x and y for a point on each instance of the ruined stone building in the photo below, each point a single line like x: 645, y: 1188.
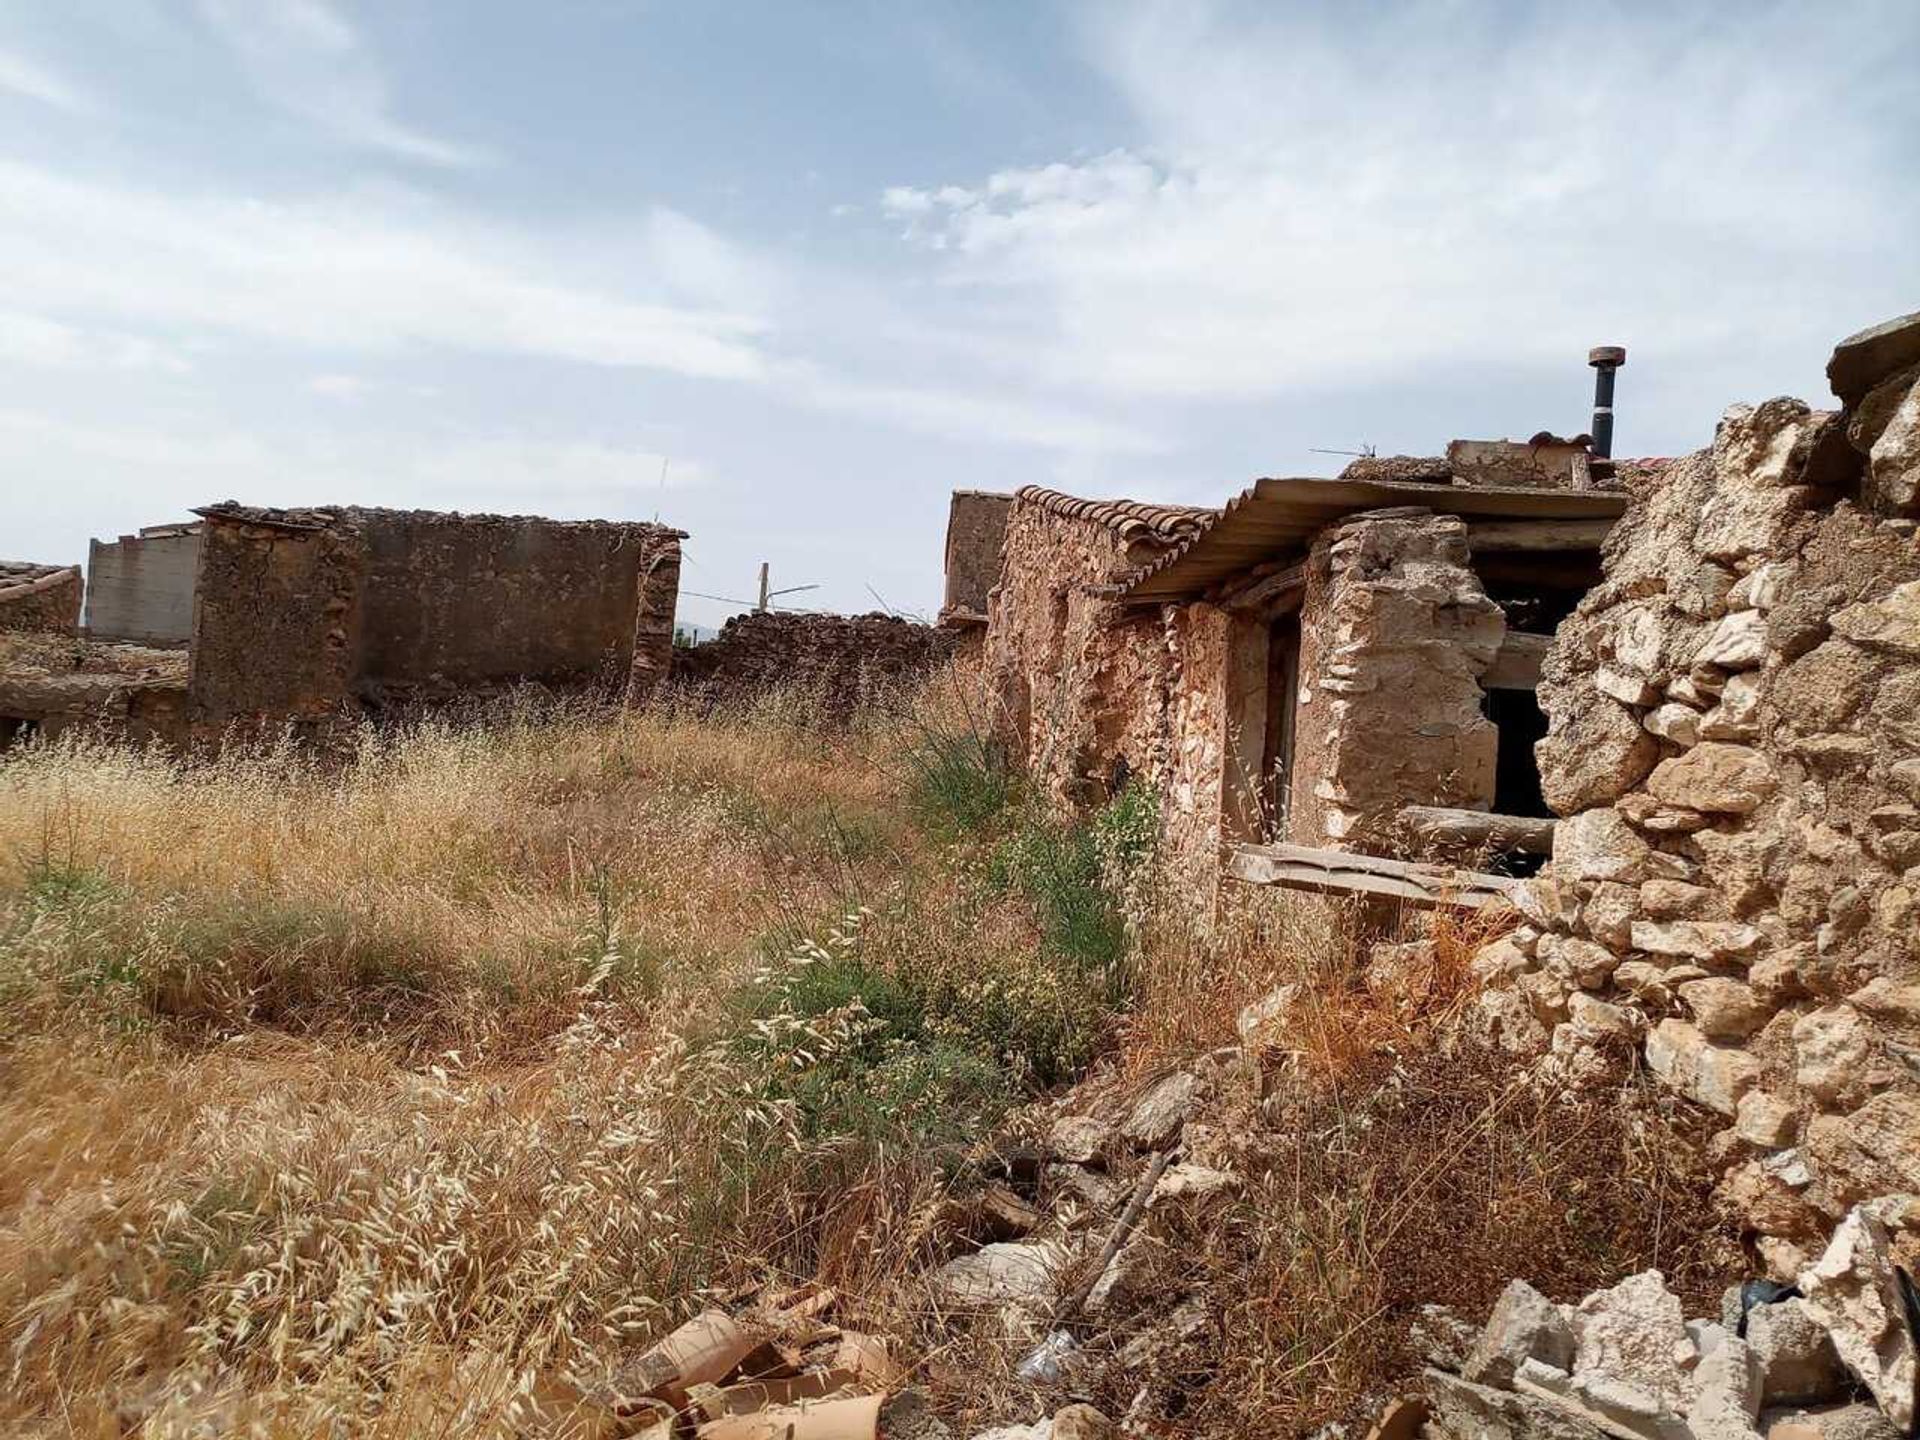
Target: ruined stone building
x: 1695, y: 682
x: 313, y: 618
x: 1308, y: 662
x: 831, y: 665
x: 39, y: 597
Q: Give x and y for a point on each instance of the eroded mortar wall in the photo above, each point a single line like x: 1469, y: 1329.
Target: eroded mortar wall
x: 315, y: 616
x: 276, y: 619
x: 458, y: 602
x: 1735, y: 744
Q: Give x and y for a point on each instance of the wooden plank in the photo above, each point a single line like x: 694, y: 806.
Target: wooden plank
x: 1336, y: 872
x: 1495, y: 536
x: 1517, y: 665
x: 1268, y: 589
x: 1479, y: 829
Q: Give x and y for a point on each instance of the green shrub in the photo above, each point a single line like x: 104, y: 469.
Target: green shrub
x: 960, y: 785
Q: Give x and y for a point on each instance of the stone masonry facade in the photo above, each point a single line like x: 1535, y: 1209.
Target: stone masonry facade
x: 1734, y: 893
x: 1396, y: 631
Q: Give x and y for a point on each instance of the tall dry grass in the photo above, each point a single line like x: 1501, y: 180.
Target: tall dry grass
x: 392, y: 1095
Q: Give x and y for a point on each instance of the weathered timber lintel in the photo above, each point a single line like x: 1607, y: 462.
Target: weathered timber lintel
x: 1479, y: 829
x: 1492, y: 536
x: 1338, y: 872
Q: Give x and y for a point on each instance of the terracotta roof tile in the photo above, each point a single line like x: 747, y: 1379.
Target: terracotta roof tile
x: 1132, y: 520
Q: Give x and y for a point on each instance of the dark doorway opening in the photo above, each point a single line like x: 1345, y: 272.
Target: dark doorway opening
x: 1283, y: 696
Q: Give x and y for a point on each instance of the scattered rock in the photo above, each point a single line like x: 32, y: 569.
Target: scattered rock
x: 1725, y: 1009
x: 1082, y: 1140
x: 1266, y: 1021
x: 1712, y: 1075
x: 1158, y: 1117
x: 1082, y: 1422
x: 1004, y: 1274
x: 1833, y: 1050
x: 1795, y: 1353
x: 1524, y: 1325
x: 1727, y: 1391
x: 1634, y: 1334
x: 1852, y: 1291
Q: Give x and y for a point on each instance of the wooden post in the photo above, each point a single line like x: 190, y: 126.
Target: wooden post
x: 762, y: 606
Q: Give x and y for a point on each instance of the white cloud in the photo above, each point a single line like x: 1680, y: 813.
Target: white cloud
x: 339, y: 387
x: 349, y: 273
x: 1328, y: 201
x: 35, y: 81
x: 306, y: 58
x: 47, y: 344
x: 971, y: 415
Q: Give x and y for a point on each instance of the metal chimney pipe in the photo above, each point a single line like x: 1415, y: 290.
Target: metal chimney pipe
x: 1605, y: 359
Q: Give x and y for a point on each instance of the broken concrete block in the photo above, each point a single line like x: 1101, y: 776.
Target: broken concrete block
x: 1796, y: 1354
x: 1727, y: 1390
x: 1634, y: 1333
x: 1463, y: 1410
x: 1852, y: 1291
x: 1524, y: 1325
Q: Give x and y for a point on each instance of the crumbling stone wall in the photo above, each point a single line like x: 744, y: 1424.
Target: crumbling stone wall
x: 1396, y: 631
x: 835, y: 661
x: 40, y: 597
x: 51, y: 683
x: 276, y: 619
x: 313, y: 616
x: 976, y: 534
x: 1083, y: 686
x: 1734, y: 743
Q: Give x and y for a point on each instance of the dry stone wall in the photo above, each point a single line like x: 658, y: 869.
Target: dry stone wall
x: 1735, y: 744
x: 829, y: 662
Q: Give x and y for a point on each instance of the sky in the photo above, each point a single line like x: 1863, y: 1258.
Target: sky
x: 787, y: 273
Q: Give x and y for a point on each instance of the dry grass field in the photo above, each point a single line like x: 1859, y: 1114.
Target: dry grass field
x: 374, y: 1097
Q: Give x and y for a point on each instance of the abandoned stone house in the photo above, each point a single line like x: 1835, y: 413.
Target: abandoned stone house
x: 1693, y: 682
x: 1308, y: 663
x: 311, y: 618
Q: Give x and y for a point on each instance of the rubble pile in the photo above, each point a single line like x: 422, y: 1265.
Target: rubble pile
x: 1734, y: 893
x: 775, y: 1371
x: 1830, y: 1358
